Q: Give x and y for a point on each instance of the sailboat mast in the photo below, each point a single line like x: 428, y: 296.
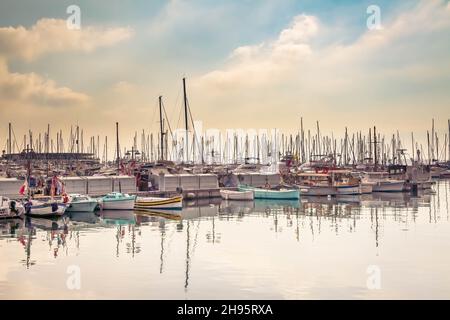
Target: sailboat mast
x: 9, y: 139
x: 448, y: 140
x: 186, y: 119
x: 118, y: 148
x: 375, y: 147
x: 161, y: 126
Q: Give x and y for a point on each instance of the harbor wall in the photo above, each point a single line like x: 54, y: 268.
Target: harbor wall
x: 9, y: 187
x: 94, y: 186
x: 255, y: 179
x: 170, y: 182
x: 203, y: 185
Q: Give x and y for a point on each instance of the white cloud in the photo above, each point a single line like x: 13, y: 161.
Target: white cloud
x: 52, y: 35
x: 402, y: 69
x: 47, y: 36
x: 291, y: 57
x: 32, y: 89
x: 258, y: 64
x: 301, y: 30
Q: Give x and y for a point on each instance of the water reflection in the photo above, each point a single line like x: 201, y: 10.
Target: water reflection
x: 207, y: 222
x: 401, y: 207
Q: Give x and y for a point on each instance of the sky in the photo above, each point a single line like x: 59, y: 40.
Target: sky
x: 248, y: 64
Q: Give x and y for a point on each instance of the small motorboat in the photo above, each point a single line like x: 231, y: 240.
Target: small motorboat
x: 118, y: 201
x: 282, y: 194
x: 237, y: 195
x: 37, y: 208
x: 150, y: 203
x: 10, y: 208
x: 81, y: 203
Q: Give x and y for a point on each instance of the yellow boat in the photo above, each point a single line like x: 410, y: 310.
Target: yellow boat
x: 149, y: 203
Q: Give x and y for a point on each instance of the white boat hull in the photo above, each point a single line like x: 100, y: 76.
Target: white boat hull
x: 127, y: 204
x: 388, y: 186
x: 348, y: 190
x: 45, y: 209
x: 237, y: 195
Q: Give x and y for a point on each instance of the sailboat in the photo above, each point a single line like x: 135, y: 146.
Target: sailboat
x: 37, y: 208
x: 43, y: 206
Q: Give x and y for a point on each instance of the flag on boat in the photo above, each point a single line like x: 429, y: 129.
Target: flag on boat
x: 24, y: 188
x: 57, y: 187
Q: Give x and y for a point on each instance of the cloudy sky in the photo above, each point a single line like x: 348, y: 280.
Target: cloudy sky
x: 248, y: 64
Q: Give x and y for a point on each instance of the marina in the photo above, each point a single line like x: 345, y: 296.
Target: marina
x: 214, y: 244
x: 211, y: 152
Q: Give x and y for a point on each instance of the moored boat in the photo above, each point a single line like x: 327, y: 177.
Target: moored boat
x: 10, y: 208
x: 237, y: 195
x: 350, y: 189
x: 381, y: 182
x: 81, y: 203
x: 317, y: 190
x: 118, y: 201
x: 37, y: 208
x: 282, y: 194
x: 149, y: 203
x: 328, y: 183
x: 388, y: 186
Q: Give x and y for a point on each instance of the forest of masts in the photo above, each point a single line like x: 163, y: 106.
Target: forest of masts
x: 239, y: 146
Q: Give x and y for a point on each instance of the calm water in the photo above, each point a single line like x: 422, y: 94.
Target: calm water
x: 319, y: 248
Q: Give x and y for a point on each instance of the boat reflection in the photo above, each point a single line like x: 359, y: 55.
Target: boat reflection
x: 84, y: 217
x: 10, y: 227
x: 204, y: 221
x: 118, y: 217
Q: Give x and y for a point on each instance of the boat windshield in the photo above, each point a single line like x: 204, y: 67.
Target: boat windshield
x: 80, y: 199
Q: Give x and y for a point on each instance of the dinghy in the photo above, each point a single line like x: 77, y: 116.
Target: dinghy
x: 118, y: 201
x: 10, y: 208
x: 150, y: 203
x: 237, y: 195
x: 282, y: 194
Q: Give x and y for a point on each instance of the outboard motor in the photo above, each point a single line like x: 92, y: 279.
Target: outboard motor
x: 12, y: 206
x: 54, y: 207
